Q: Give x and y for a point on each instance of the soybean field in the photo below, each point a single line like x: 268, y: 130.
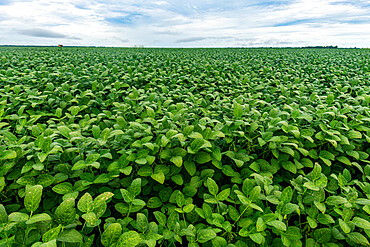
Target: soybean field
x: 169, y: 147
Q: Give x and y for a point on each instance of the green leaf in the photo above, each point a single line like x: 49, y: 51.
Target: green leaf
x: 335, y: 200
x: 160, y: 217
x: 260, y: 225
x: 344, y: 160
x: 202, y: 157
x: 212, y: 186
x: 51, y: 243
x: 320, y: 206
x: 311, y: 185
x: 74, y: 110
x: 8, y: 154
x: 3, y: 215
x: 290, y: 166
x: 244, y: 232
x: 100, y: 209
x: 362, y: 201
x: 322, y: 182
x: 285, y: 241
x: 180, y: 199
x: 322, y: 235
x: 81, y: 164
x: 353, y: 134
x: 127, y: 170
x: 65, y: 212
x: 63, y: 188
x: 129, y: 239
x: 45, y: 147
x: 223, y: 195
x: 360, y: 222
x: 38, y: 217
x: 141, y: 222
x: 326, y: 155
x: 85, y: 204
x: 217, y: 241
x: 102, y: 179
x: 277, y: 224
x: 18, y: 217
x: 32, y: 197
x: 70, y: 236
x: 286, y: 195
x: 254, y: 194
x: 177, y: 160
x: 96, y: 131
x: 205, y: 235
x: 154, y: 202
x: 287, y: 150
x: 58, y: 112
x: 90, y: 219
x: 2, y: 183
x: 64, y: 130
x: 255, y: 206
x: 102, y: 198
x: 257, y: 238
x: 135, y: 187
x: 173, y: 218
x: 145, y: 171
x: 358, y: 238
x: 289, y: 208
x: 91, y: 158
x: 238, y: 110
x: 111, y: 234
x: 190, y: 167
x: 293, y: 233
x: 126, y: 195
x: 188, y: 208
x: 325, y: 219
x: 10, y: 137
x: 312, y: 223
x: 51, y: 234
x: 316, y: 172
x: 45, y: 180
x: 353, y: 154
x: 159, y: 177
x: 196, y: 144
x: 178, y: 179
x: 141, y: 161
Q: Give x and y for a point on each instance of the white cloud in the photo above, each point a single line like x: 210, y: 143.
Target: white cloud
x: 186, y: 23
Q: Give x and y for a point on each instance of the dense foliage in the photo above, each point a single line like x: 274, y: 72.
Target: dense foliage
x: 184, y: 147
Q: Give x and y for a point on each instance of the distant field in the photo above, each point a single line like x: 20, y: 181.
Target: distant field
x: 184, y: 147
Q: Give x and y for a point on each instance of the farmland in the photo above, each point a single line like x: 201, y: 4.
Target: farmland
x: 184, y: 147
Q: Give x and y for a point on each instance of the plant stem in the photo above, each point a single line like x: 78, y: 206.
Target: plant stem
x: 183, y: 216
x: 129, y: 210
x: 240, y: 216
x: 83, y: 227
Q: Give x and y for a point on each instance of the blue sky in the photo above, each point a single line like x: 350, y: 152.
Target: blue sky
x: 181, y: 23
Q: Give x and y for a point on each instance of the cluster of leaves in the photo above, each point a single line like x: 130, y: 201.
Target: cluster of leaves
x: 184, y: 147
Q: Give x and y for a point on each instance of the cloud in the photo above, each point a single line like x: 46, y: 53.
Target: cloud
x: 192, y: 39
x: 267, y: 42
x: 5, y: 2
x: 166, y: 33
x: 123, y: 40
x: 44, y: 33
x: 39, y: 32
x: 191, y: 23
x: 128, y: 19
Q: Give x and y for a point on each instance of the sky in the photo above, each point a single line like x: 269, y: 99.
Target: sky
x: 182, y: 23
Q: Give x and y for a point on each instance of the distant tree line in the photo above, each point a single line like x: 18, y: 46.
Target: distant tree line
x: 320, y: 46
